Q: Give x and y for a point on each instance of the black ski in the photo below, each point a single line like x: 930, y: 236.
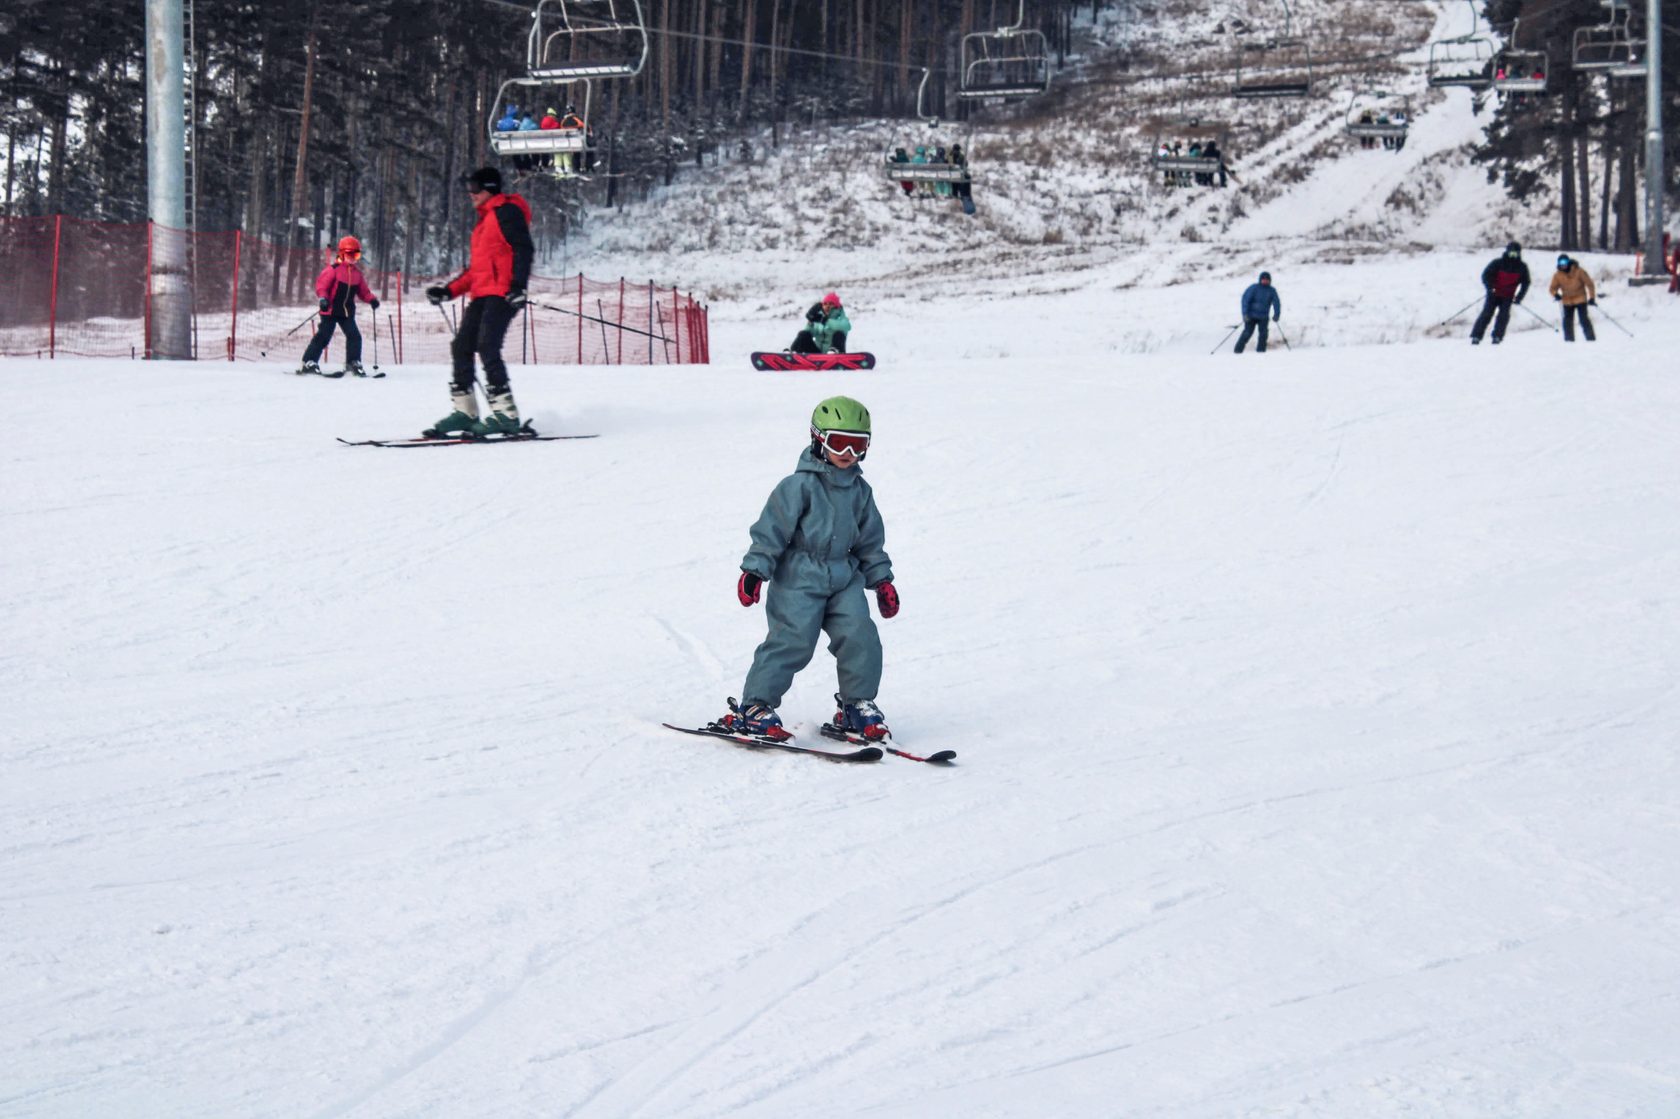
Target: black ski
x: 465, y: 440
x: 943, y: 757
x: 759, y: 742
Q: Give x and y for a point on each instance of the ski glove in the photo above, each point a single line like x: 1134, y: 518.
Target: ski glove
x: 517, y: 298
x: 1593, y: 302
x: 815, y: 314
x: 747, y: 590
x: 886, y: 599
x: 437, y: 294
x: 326, y: 305
x: 1275, y: 318
x: 374, y: 304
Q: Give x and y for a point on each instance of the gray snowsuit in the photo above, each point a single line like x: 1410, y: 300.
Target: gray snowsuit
x: 819, y: 542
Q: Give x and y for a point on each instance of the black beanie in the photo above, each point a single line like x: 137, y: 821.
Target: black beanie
x: 1265, y: 276
x: 485, y: 178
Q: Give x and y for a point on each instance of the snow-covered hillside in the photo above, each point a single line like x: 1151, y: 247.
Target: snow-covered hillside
x: 1315, y: 711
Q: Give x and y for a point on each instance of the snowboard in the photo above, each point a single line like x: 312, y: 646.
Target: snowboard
x: 784, y: 361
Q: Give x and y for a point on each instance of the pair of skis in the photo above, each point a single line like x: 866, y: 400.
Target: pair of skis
x: 868, y: 753
x: 460, y: 440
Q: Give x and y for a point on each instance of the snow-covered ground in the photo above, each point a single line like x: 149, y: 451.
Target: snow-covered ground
x: 1315, y: 711
x: 1316, y: 716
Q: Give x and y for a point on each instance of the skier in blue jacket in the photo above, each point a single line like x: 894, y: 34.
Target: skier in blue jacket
x: 819, y: 543
x: 1258, y: 301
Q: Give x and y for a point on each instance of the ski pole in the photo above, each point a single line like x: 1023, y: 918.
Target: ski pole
x: 1542, y: 320
x: 1225, y: 339
x: 1459, y: 312
x: 1613, y: 322
x: 446, y: 320
x: 1281, y: 337
x: 294, y: 330
x: 376, y: 339
x: 608, y: 322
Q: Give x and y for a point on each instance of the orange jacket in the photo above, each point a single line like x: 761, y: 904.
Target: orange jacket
x: 1575, y: 285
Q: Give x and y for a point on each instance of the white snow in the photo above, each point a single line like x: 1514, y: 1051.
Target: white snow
x: 1316, y: 715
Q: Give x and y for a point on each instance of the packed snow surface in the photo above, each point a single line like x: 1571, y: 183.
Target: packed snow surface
x: 1315, y: 714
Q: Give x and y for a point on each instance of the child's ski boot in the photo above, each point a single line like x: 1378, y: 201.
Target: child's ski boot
x: 354, y: 368
x: 757, y: 719
x: 309, y: 367
x: 860, y: 720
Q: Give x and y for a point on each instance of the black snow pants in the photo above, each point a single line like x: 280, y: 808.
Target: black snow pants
x: 1570, y: 310
x: 1496, y: 310
x: 1248, y: 332
x: 324, y: 333
x: 483, y: 326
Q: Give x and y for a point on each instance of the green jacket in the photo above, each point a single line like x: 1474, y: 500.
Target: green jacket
x: 824, y: 328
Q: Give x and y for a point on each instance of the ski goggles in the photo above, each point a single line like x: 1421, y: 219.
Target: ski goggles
x: 854, y: 443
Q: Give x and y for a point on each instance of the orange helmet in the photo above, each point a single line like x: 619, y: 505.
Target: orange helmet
x: 349, y: 248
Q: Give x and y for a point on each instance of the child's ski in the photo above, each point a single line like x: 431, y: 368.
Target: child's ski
x: 469, y: 440
x: 943, y: 757
x: 759, y: 742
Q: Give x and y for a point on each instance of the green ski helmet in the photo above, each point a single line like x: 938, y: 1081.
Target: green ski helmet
x: 839, y: 414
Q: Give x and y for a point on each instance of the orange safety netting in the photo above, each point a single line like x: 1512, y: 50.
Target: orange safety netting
x: 83, y: 288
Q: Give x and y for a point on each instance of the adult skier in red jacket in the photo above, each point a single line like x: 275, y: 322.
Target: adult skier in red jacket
x: 497, y: 271
x: 1505, y: 279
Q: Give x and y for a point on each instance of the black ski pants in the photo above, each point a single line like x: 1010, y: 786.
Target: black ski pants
x: 324, y: 333
x: 1570, y: 310
x: 1249, y: 326
x: 1494, y: 309
x: 805, y: 344
x: 484, y: 325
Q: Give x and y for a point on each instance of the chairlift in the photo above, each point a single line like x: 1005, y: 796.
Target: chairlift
x: 567, y: 144
x: 902, y: 167
x: 571, y: 39
x: 1275, y: 66
x: 1376, y: 114
x: 1463, y: 61
x: 1611, y: 48
x: 1520, y: 71
x: 1011, y: 62
x: 1194, y: 133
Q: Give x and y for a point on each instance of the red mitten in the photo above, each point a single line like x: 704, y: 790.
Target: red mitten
x: 747, y: 589
x: 886, y: 599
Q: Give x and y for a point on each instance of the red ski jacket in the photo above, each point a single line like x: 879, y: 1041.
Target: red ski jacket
x: 340, y: 284
x: 501, y: 249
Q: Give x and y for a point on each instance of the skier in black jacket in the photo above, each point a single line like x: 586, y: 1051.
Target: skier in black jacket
x: 1505, y: 279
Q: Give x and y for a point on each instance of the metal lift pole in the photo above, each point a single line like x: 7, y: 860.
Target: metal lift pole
x: 1653, y: 271
x: 170, y: 292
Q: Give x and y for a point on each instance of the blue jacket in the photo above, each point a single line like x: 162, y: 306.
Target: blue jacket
x: 819, y: 529
x: 1261, y: 301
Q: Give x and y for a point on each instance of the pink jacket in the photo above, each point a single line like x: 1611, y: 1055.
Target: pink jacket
x: 340, y: 284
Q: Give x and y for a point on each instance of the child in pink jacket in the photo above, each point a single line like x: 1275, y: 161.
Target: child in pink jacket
x: 339, y: 285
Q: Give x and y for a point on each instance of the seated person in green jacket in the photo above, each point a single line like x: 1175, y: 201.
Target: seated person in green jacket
x: 826, y: 327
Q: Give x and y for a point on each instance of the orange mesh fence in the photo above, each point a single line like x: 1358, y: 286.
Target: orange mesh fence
x: 83, y: 288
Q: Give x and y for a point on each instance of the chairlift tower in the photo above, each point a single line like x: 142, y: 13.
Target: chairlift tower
x: 1653, y: 272
x: 169, y: 295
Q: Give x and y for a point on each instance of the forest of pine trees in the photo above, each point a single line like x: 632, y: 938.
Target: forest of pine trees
x: 360, y: 114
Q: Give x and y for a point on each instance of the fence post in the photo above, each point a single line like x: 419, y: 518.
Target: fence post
x: 580, y: 319
x: 233, y: 330
x: 676, y: 322
x: 402, y: 282
x: 146, y: 332
x: 652, y: 302
x: 52, y: 306
x: 620, y: 360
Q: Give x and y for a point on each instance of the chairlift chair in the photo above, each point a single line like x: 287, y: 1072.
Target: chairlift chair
x: 572, y: 39
x: 1012, y: 62
x: 946, y: 171
x: 1187, y: 130
x: 1281, y: 66
x: 1610, y: 48
x: 1463, y: 61
x: 544, y: 142
x: 1378, y: 104
x: 1520, y: 71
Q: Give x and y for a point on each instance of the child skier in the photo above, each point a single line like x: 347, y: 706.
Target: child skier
x: 819, y: 543
x: 339, y: 285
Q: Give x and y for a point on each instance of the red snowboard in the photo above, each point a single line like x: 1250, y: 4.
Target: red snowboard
x: 791, y: 361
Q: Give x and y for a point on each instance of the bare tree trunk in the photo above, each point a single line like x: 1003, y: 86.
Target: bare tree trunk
x: 1583, y: 168
x: 748, y: 26
x: 300, y: 172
